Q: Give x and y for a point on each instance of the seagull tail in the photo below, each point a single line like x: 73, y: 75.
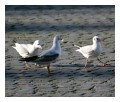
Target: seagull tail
x: 76, y: 46
x: 13, y: 46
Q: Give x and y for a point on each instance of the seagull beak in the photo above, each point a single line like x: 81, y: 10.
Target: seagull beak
x: 40, y: 47
x: 62, y: 40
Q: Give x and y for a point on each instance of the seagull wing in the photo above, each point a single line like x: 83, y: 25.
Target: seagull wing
x: 29, y: 59
x: 87, y: 50
x: 47, y: 56
x: 29, y: 48
x: 21, y: 50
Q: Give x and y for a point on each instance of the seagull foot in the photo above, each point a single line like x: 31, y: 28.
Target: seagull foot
x: 27, y: 66
x: 105, y: 64
x: 85, y: 69
x: 37, y: 65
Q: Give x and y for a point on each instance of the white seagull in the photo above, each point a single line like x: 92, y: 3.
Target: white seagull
x: 91, y: 51
x: 28, y: 50
x: 47, y: 56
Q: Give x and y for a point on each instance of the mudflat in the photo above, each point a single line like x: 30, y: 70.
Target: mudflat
x: 77, y: 25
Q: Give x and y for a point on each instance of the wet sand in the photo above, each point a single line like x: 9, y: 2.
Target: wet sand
x: 77, y: 25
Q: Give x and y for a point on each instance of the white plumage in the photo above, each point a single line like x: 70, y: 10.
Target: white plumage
x: 91, y: 51
x: 28, y: 50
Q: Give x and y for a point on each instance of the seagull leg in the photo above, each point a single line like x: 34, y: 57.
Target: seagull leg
x: 104, y: 64
x: 86, y: 63
x: 48, y: 68
x: 26, y: 65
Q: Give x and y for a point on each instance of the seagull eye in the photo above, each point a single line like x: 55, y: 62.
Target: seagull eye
x: 97, y: 38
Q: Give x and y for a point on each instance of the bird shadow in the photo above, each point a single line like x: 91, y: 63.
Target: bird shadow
x: 80, y: 65
x: 61, y: 71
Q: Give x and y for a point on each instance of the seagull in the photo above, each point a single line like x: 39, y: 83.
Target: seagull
x: 48, y: 56
x: 91, y: 51
x: 28, y: 50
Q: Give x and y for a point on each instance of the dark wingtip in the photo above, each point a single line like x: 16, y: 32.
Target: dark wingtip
x: 30, y: 59
x: 73, y: 44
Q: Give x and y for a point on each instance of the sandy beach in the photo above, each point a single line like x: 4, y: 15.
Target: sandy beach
x: 77, y: 25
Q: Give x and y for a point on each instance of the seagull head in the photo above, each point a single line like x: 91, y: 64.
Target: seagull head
x: 96, y: 39
x: 58, y: 38
x: 38, y: 44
